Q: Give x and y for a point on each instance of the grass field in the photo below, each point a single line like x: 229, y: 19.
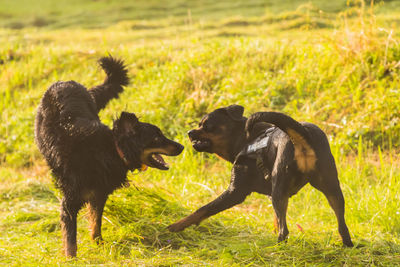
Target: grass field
x: 336, y: 65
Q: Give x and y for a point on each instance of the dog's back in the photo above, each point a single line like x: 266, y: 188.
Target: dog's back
x: 55, y: 129
x: 68, y: 113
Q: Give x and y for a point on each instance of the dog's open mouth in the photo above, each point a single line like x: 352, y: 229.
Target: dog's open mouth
x: 201, y: 145
x: 155, y: 160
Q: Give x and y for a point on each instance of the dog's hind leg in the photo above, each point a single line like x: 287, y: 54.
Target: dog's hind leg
x: 69, y: 212
x: 329, y: 186
x: 96, y: 207
x: 336, y: 201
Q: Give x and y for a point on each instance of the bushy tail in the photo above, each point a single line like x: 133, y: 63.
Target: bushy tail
x: 117, y: 77
x: 304, y: 153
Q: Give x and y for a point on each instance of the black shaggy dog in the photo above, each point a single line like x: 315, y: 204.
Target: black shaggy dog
x: 89, y: 160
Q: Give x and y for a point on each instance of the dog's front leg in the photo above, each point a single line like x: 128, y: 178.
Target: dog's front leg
x: 239, y: 189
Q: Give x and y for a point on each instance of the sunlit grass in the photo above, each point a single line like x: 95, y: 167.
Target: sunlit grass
x: 338, y: 71
x: 135, y: 220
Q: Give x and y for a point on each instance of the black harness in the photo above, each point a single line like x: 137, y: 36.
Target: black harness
x: 257, y: 148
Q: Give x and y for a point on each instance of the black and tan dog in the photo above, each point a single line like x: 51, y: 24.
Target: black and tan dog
x: 272, y: 154
x: 88, y: 159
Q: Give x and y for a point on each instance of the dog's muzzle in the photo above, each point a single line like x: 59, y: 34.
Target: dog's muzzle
x: 199, y: 144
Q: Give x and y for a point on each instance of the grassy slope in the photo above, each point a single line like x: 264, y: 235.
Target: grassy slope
x: 306, y: 63
x: 48, y: 13
x: 88, y: 14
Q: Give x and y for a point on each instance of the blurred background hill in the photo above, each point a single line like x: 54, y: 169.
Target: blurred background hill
x: 101, y: 13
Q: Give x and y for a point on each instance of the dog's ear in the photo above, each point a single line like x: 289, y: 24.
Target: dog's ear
x: 126, y: 123
x: 235, y: 112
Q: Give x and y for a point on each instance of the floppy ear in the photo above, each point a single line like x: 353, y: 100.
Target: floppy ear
x: 235, y: 112
x: 126, y: 123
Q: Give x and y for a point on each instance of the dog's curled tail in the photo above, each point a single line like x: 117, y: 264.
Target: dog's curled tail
x: 303, y: 152
x: 117, y: 77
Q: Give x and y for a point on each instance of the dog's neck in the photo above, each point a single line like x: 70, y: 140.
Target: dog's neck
x: 121, y: 155
x: 237, y: 144
x: 236, y: 148
x: 128, y: 165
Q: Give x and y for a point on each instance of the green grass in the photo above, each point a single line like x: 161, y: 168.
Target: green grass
x: 338, y: 68
x: 62, y: 13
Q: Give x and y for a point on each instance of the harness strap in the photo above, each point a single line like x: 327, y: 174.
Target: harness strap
x: 262, y: 141
x: 255, y: 149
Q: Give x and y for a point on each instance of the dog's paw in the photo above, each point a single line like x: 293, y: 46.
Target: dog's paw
x: 194, y: 218
x: 177, y: 227
x: 98, y: 240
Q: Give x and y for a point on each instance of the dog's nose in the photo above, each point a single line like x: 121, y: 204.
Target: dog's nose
x: 180, y: 149
x: 190, y: 133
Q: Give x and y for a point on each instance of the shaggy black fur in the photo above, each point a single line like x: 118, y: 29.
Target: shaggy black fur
x: 89, y: 160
